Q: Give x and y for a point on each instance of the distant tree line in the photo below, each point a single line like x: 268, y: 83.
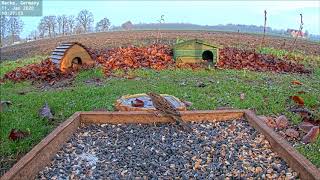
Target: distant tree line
x: 62, y: 25
x: 51, y: 26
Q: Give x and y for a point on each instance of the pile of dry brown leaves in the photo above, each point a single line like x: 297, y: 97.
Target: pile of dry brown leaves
x: 232, y: 58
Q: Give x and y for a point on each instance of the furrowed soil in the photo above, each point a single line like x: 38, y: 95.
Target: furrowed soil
x: 125, y: 38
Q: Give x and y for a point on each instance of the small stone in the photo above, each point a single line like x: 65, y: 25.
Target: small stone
x: 124, y: 172
x: 292, y: 133
x: 276, y: 168
x: 206, y: 148
x: 269, y: 171
x: 201, y: 84
x: 242, y: 96
x: 258, y: 170
x: 269, y: 176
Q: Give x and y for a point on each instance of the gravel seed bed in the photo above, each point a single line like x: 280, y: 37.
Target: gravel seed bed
x: 212, y: 151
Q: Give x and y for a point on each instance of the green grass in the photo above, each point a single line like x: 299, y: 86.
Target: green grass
x: 7, y: 66
x: 268, y: 93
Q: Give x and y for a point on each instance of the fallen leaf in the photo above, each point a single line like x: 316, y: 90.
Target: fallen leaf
x: 4, y: 105
x: 282, y: 122
x: 242, y: 96
x: 301, y: 92
x: 295, y: 82
x: 292, y: 133
x: 298, y: 100
x: 16, y: 134
x: 311, y: 136
x: 305, y: 126
x: 45, y: 112
x: 137, y: 103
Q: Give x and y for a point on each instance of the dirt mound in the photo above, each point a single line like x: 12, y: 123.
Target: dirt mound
x: 231, y: 58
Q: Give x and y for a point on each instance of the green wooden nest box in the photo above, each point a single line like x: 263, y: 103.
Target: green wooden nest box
x: 195, y: 51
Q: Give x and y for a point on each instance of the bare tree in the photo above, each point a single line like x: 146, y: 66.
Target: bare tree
x: 103, y: 25
x: 41, y: 28
x: 48, y: 24
x: 78, y: 29
x: 52, y: 21
x: 127, y: 25
x: 85, y: 20
x: 33, y: 35
x: 4, y: 24
x: 59, y: 22
x: 161, y: 20
x: 71, y: 20
x: 264, y: 26
x: 299, y: 32
x: 15, y: 26
x: 62, y: 24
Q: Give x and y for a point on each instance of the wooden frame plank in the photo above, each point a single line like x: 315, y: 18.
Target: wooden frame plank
x: 144, y: 117
x: 30, y: 164
x: 294, y: 159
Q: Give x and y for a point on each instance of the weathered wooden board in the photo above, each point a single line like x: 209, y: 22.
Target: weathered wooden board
x: 30, y: 164
x: 147, y: 117
x: 295, y: 160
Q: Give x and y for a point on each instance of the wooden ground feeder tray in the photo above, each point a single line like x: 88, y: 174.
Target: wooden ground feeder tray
x: 69, y: 55
x: 35, y: 161
x: 142, y: 102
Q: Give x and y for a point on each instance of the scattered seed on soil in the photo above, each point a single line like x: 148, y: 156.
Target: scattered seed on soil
x: 220, y: 150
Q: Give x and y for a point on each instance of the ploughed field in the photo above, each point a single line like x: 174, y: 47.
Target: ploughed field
x: 125, y: 38
x: 212, y: 150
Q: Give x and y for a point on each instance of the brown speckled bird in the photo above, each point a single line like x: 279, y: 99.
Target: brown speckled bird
x: 167, y: 109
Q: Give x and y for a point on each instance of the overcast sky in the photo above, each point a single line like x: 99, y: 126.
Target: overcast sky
x: 281, y: 14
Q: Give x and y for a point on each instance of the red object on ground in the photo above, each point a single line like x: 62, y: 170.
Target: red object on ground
x: 137, y: 103
x: 16, y: 134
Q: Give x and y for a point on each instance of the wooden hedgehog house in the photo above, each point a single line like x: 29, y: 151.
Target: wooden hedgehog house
x: 195, y: 51
x: 70, y: 54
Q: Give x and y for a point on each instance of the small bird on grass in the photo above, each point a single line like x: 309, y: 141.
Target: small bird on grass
x: 167, y: 109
